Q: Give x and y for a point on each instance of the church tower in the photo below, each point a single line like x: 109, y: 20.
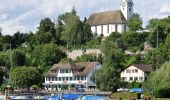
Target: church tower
x: 126, y: 8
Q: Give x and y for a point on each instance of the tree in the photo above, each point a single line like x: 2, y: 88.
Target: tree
x: 5, y: 59
x: 47, y: 55
x: 160, y: 82
x: 25, y: 76
x: 108, y: 77
x: 18, y: 58
x: 135, y: 22
x: 134, y: 39
x: 160, y: 28
x: 46, y: 32
x: 87, y: 58
x: 159, y: 55
x: 2, y: 73
x: 18, y: 39
x: 75, y: 31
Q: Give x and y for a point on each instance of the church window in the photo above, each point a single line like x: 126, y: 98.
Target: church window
x: 107, y: 28
x: 102, y: 29
x: 116, y: 28
x: 95, y: 29
x: 130, y: 9
x: 124, y: 28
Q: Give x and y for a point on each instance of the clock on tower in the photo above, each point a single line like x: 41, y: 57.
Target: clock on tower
x: 127, y: 8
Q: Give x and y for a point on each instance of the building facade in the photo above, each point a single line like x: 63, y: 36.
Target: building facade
x: 69, y: 75
x: 104, y: 23
x: 136, y: 72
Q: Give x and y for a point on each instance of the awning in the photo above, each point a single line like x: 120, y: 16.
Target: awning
x: 138, y: 90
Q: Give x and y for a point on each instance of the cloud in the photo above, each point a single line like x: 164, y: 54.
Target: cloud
x: 25, y: 15
x: 165, y: 8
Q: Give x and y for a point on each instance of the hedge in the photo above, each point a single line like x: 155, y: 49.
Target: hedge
x: 123, y: 95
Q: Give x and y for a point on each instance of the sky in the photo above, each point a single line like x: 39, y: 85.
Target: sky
x: 25, y: 15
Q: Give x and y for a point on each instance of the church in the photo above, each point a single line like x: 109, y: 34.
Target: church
x: 104, y: 23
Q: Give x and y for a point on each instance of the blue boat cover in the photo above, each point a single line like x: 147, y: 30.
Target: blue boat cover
x: 138, y: 90
x: 71, y: 96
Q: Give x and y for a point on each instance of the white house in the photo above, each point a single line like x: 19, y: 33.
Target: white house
x: 104, y: 23
x: 78, y: 74
x: 136, y: 72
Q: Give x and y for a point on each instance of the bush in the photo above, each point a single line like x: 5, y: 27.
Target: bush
x: 162, y: 92
x: 124, y: 95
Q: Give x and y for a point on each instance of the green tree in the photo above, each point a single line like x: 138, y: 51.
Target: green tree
x: 47, y: 55
x: 2, y: 73
x: 87, y: 58
x: 133, y: 39
x: 25, y: 76
x: 75, y: 31
x: 159, y: 81
x: 108, y: 77
x: 135, y: 22
x: 46, y: 32
x: 5, y: 59
x: 18, y: 58
x: 160, y: 28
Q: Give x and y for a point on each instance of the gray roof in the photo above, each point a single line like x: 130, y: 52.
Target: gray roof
x: 78, y: 69
x: 109, y: 17
x: 143, y: 67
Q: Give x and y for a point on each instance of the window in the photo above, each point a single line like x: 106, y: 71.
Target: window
x: 124, y: 78
x: 52, y: 78
x: 116, y: 28
x: 136, y: 70
x: 66, y: 78
x: 59, y: 78
x: 102, y: 29
x: 130, y: 9
x: 133, y: 71
x: 71, y: 78
x: 131, y: 78
x: 108, y: 29
x: 78, y: 78
x: 95, y: 29
x: 66, y: 70
x: 141, y: 78
x: 46, y: 78
x: 128, y: 71
x: 84, y: 77
x: 49, y: 79
x: 63, y: 78
x: 135, y: 78
x: 56, y: 79
x: 81, y: 77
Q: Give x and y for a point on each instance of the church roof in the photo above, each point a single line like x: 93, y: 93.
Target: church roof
x: 109, y: 17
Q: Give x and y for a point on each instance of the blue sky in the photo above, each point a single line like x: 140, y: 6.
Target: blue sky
x: 25, y: 15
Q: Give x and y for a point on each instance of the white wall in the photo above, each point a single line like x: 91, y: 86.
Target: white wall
x: 128, y: 75
x: 89, y: 82
x: 105, y: 30
x: 93, y: 29
x: 99, y: 28
x: 120, y: 28
x: 112, y: 28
